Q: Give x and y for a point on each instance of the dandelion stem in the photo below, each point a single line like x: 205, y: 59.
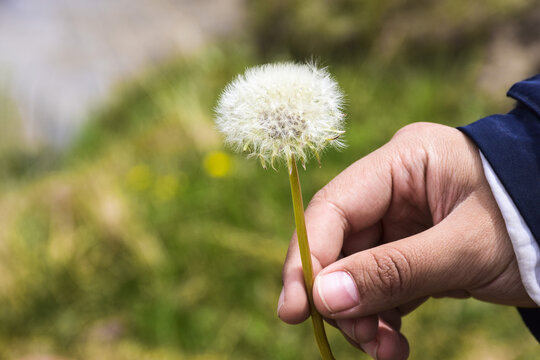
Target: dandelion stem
x: 305, y: 254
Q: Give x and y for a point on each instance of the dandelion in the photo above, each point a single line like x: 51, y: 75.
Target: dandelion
x: 217, y: 164
x: 283, y: 113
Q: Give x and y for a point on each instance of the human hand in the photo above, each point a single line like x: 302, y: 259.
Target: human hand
x: 414, y: 219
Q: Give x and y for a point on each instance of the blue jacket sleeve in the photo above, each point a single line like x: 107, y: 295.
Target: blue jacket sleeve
x: 511, y: 145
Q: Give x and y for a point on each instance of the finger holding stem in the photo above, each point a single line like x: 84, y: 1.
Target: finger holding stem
x: 305, y: 254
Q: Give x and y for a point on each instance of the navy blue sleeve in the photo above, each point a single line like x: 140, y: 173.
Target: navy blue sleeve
x: 511, y: 145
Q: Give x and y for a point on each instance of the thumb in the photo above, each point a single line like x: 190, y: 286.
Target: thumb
x: 381, y: 278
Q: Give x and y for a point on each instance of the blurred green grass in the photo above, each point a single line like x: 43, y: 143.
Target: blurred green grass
x: 127, y: 247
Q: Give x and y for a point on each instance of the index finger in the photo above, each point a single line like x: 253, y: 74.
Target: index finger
x: 351, y: 203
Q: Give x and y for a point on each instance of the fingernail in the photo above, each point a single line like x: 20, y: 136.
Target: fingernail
x: 280, y: 301
x: 337, y: 291
x: 371, y: 348
x: 347, y: 326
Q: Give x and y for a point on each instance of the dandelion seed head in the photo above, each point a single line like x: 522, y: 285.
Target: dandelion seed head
x: 280, y: 111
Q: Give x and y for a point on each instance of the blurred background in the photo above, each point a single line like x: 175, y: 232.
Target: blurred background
x: 127, y: 231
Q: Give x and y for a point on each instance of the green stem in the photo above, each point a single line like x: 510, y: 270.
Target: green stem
x: 305, y: 254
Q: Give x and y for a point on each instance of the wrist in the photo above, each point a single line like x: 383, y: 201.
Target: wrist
x: 525, y: 247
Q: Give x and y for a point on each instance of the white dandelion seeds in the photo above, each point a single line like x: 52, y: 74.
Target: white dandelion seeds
x: 282, y: 111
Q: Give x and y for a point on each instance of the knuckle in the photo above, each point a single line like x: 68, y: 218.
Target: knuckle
x: 325, y: 194
x: 319, y: 197
x: 324, y: 199
x: 390, y: 273
x: 413, y: 128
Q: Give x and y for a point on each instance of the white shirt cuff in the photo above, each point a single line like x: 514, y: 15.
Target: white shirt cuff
x: 524, y: 244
